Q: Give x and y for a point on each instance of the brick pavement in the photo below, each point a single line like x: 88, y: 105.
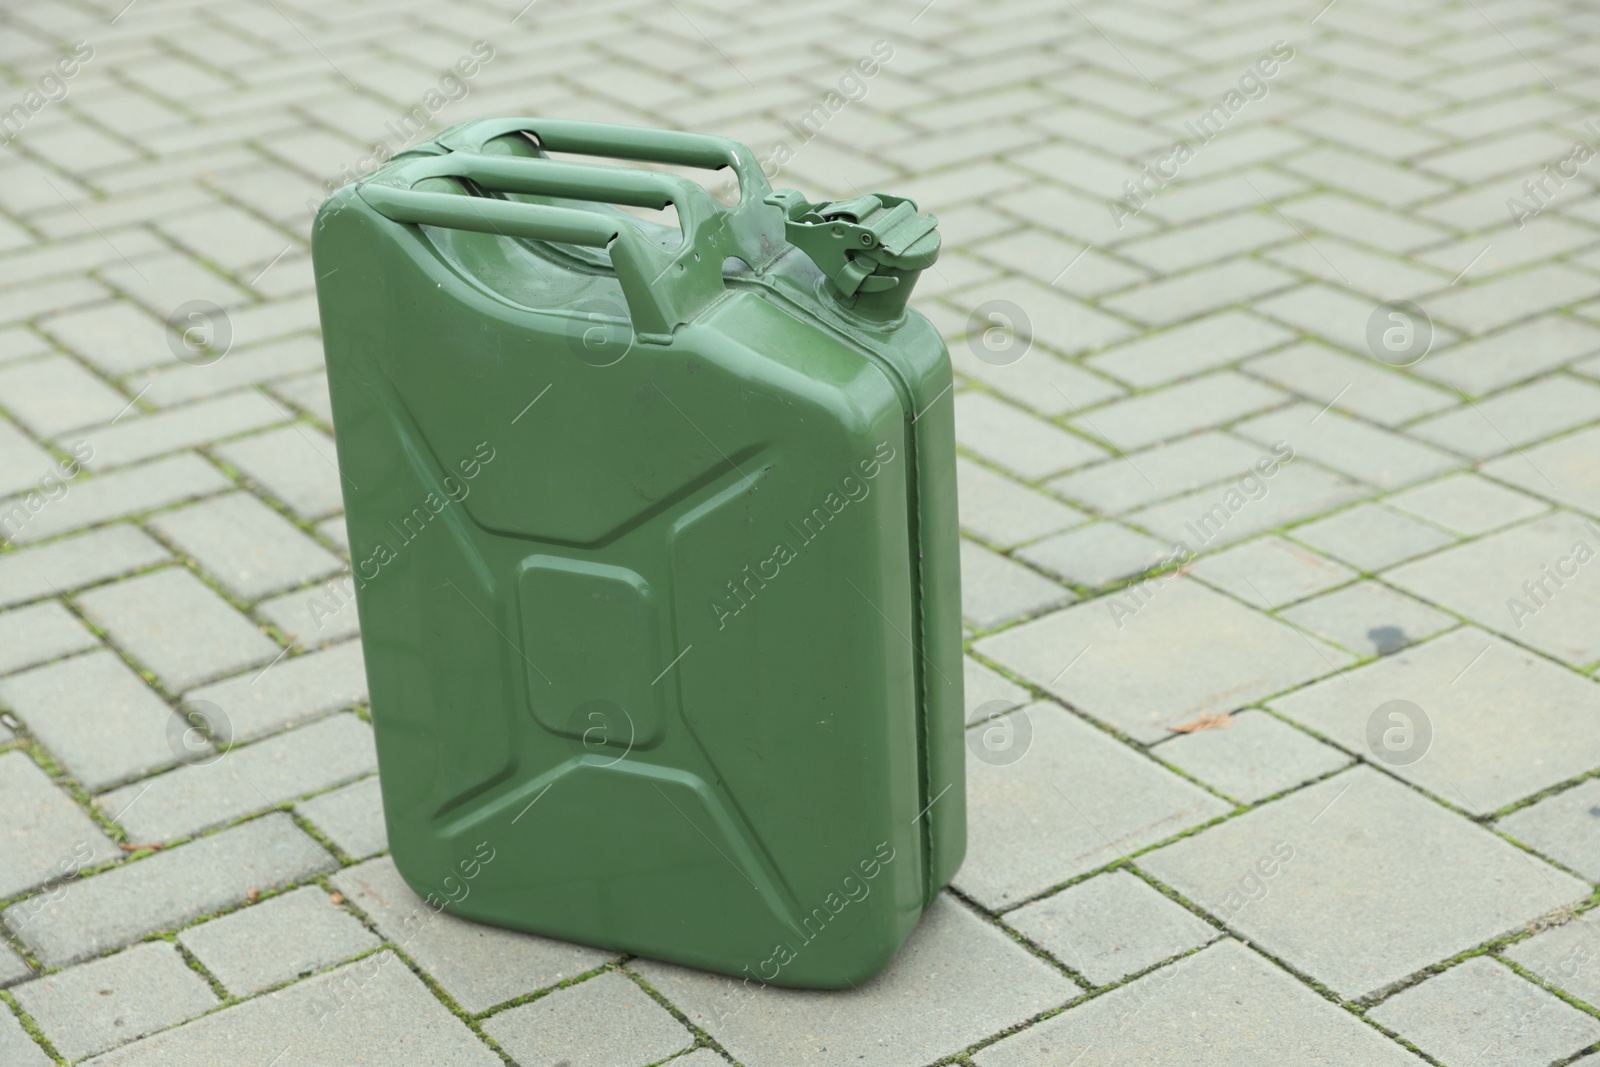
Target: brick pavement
x: 1388, y: 588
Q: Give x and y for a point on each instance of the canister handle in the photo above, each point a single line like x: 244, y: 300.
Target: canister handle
x: 664, y: 287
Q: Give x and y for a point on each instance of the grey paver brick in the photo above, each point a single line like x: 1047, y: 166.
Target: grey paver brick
x: 1097, y: 554
x: 1177, y: 409
x: 244, y: 365
x: 1073, y: 801
x: 1255, y: 757
x: 1489, y: 305
x: 136, y: 437
x: 1480, y: 757
x: 167, y: 889
x: 1397, y: 882
x: 1371, y: 536
x: 96, y: 716
x: 309, y: 392
x: 956, y: 980
x: 277, y: 940
x: 40, y: 632
x: 1529, y: 582
x: 480, y: 966
x: 1326, y: 376
x: 1368, y: 618
x: 1097, y: 659
x: 111, y: 496
x: 1255, y: 1016
x: 1126, y: 482
x: 170, y: 621
x: 55, y: 394
x: 1193, y: 348
x: 1059, y: 321
x: 351, y: 817
x: 297, y: 464
x: 998, y: 590
x: 246, y: 778
x: 1566, y: 956
x: 1183, y: 296
x: 13, y: 969
x: 1565, y: 827
x: 1381, y: 228
x: 1110, y: 927
x: 48, y: 837
x: 375, y: 1005
x: 1480, y: 1010
x: 249, y: 548
x: 116, y: 338
x: 1004, y: 513
x: 17, y: 1047
x: 291, y: 690
x: 1563, y: 470
x: 1519, y: 416
x: 317, y: 616
x: 988, y: 687
x: 1270, y: 572
x: 30, y: 573
x: 1017, y: 441
x: 559, y: 1028
x: 1467, y: 503
x: 105, y: 1003
x: 1376, y: 456
x: 24, y: 465
x: 1484, y: 364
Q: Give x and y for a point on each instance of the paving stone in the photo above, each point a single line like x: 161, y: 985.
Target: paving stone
x: 1038, y: 380
x: 247, y: 778
x: 24, y: 466
x: 243, y: 366
x: 166, y: 890
x: 1489, y: 305
x: 30, y: 573
x: 249, y: 548
x: 351, y: 817
x: 1206, y: 289
x: 48, y: 837
x: 55, y: 394
x: 1005, y: 513
x: 1485, y: 364
x: 1190, y: 349
x: 1017, y: 441
x: 1467, y: 503
x: 1097, y: 554
x: 559, y: 1028
x: 956, y: 980
x: 1565, y: 827
x: 480, y: 966
x: 138, y: 437
x: 1110, y: 927
x: 1480, y: 1011
x: 1371, y: 536
x: 1326, y: 376
x: 1270, y: 572
x: 1223, y: 1007
x: 1397, y: 882
x: 375, y: 1005
x: 125, y: 492
x: 1518, y: 416
x: 1059, y: 321
x: 40, y: 632
x: 1126, y: 482
x: 1529, y: 582
x: 1177, y: 410
x: 1074, y: 800
x: 1231, y: 511
x: 996, y: 590
x: 94, y: 715
x: 988, y: 687
x: 13, y: 969
x: 116, y: 338
x: 321, y: 615
x: 1369, y: 619
x: 171, y: 622
x: 1378, y: 457
x: 297, y: 464
x: 277, y: 940
x: 289, y: 691
x: 1567, y: 956
x: 17, y: 1048
x: 1520, y: 725
x: 1562, y: 470
x: 309, y: 392
x: 1255, y: 757
x: 1096, y: 658
x: 108, y: 1002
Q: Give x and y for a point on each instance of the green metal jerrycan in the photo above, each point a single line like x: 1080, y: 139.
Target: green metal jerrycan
x: 653, y: 533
